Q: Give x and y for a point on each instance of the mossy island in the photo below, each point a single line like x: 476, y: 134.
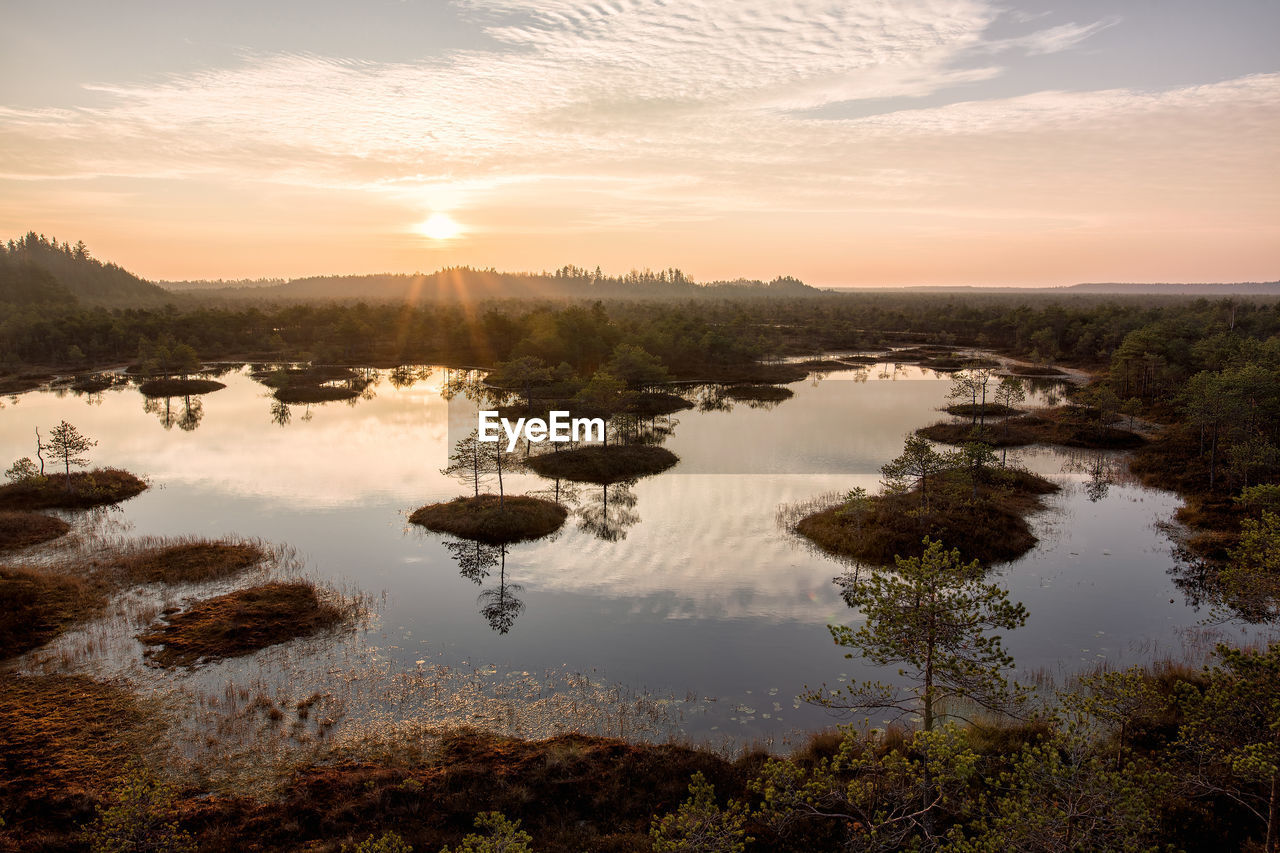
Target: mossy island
x: 758, y: 393
x: 77, y: 490
x: 179, y: 387
x: 187, y: 560
x: 991, y: 528
x: 242, y: 622
x: 491, y: 519
x: 37, y: 605
x: 315, y: 393
x: 1066, y: 426
x: 21, y: 529
x: 603, y: 465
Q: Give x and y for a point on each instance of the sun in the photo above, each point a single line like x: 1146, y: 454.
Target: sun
x: 439, y: 226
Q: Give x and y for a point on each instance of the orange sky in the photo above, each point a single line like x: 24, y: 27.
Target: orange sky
x: 929, y: 141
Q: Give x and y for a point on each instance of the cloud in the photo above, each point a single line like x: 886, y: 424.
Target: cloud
x: 646, y: 111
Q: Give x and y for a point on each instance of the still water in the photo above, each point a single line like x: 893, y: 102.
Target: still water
x: 687, y: 591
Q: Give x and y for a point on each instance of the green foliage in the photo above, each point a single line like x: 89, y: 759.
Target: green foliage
x: 1061, y: 796
x: 69, y: 446
x: 933, y: 615
x: 1250, y: 582
x: 23, y: 471
x: 635, y: 367
x: 387, y: 842
x: 499, y: 836
x: 917, y: 463
x: 140, y: 820
x: 874, y: 796
x: 700, y: 825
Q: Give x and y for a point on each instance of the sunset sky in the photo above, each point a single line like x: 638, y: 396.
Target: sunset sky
x: 874, y: 142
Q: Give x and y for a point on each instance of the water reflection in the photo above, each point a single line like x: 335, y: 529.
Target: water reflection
x: 192, y: 411
x: 607, y: 512
x: 500, y: 605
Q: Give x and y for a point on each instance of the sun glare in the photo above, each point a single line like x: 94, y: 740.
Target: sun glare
x: 440, y: 226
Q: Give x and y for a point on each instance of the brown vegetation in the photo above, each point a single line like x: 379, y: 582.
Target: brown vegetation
x: 93, y: 384
x: 488, y: 519
x: 241, y: 622
x: 63, y: 740
x: 20, y: 529
x: 653, y: 403
x: 37, y: 604
x: 1067, y: 426
x: 758, y: 393
x: 1035, y: 370
x: 84, y: 489
x: 991, y: 529
x: 315, y: 393
x: 603, y: 465
x: 188, y: 561
x: 178, y: 387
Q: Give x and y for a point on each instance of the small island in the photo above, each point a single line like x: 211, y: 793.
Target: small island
x: 603, y: 465
x: 179, y: 387
x: 242, y: 622
x: 965, y: 499
x: 492, y: 519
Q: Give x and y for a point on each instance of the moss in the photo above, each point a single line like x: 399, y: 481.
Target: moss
x: 603, y: 465
x: 240, y: 623
x: 178, y: 387
x: 653, y: 403
x: 981, y: 410
x: 20, y: 529
x: 486, y: 519
x: 93, y: 384
x: 315, y: 394
x: 81, y: 490
x: 38, y: 605
x: 62, y: 736
x: 991, y: 529
x: 758, y: 393
x: 1067, y: 426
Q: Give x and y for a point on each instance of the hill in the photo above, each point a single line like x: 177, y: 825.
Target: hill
x: 81, y: 277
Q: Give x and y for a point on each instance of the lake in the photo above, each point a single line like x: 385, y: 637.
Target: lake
x: 682, y: 608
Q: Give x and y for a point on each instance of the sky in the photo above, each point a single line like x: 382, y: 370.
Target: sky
x: 872, y: 142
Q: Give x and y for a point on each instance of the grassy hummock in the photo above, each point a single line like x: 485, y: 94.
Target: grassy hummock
x: 36, y: 605
x: 603, y: 465
x: 188, y: 561
x: 488, y: 519
x: 81, y: 490
x: 178, y: 387
x: 1066, y: 426
x: 240, y: 623
x: 991, y: 529
x: 20, y: 529
x: 315, y: 393
x: 758, y: 393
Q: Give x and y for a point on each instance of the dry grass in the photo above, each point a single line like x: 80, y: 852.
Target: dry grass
x: 37, y: 605
x: 20, y: 529
x: 603, y: 465
x: 486, y: 519
x: 178, y: 387
x: 242, y: 622
x: 63, y: 737
x: 82, y: 490
x: 189, y: 561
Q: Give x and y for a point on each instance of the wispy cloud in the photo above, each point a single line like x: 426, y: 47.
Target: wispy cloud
x: 647, y: 111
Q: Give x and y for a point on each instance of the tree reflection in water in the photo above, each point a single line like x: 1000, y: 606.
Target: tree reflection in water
x: 500, y: 605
